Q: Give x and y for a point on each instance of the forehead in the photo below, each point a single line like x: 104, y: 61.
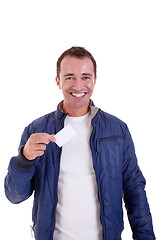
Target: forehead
x: 71, y: 64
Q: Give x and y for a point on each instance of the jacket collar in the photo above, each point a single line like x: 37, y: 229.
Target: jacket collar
x: 61, y: 114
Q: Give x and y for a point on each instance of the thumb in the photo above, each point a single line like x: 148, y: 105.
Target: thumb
x: 52, y: 138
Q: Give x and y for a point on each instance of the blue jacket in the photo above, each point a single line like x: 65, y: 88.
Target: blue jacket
x: 117, y: 173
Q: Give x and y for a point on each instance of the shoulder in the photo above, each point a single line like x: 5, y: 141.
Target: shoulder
x: 41, y: 123
x: 109, y: 117
x: 45, y: 123
x: 111, y: 122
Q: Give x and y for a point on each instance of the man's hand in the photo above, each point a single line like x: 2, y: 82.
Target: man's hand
x: 36, y: 145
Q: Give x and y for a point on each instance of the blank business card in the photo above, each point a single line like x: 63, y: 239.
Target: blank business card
x: 65, y: 135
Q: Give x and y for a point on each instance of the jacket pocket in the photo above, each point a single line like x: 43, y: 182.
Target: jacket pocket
x: 111, y: 138
x: 109, y: 152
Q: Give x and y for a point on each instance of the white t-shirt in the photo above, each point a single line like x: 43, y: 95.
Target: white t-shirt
x: 78, y: 207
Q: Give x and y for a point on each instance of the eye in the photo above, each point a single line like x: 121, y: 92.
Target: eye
x: 86, y: 78
x: 68, y: 78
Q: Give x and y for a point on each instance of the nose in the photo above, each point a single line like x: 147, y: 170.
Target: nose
x: 78, y: 84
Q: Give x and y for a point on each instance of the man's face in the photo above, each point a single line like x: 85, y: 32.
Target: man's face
x: 77, y: 81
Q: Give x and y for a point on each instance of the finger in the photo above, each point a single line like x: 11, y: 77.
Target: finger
x: 52, y: 138
x: 39, y: 153
x: 41, y: 138
x: 40, y: 147
x: 47, y: 138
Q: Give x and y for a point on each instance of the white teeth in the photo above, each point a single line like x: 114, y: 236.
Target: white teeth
x: 78, y: 94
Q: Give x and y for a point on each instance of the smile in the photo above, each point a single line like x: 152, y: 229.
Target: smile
x: 78, y: 95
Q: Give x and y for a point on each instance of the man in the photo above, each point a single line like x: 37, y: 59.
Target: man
x: 79, y: 187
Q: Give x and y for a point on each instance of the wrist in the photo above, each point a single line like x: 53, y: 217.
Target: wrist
x: 22, y: 154
x: 22, y: 162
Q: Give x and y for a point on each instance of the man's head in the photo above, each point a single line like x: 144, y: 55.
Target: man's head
x: 76, y: 77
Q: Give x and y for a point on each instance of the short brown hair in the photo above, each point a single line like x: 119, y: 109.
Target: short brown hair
x: 78, y: 52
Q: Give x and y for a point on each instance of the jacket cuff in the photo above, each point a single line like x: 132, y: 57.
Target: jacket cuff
x: 22, y: 161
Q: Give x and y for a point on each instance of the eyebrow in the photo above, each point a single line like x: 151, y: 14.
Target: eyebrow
x: 88, y: 74
x: 72, y: 74
x: 69, y: 74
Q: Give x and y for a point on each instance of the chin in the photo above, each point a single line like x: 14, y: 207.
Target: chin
x: 80, y: 103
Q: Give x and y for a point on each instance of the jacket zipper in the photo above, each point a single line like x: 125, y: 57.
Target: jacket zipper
x: 56, y: 179
x: 94, y: 157
x: 109, y: 138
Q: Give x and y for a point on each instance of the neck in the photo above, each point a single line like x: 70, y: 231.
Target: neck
x: 75, y: 112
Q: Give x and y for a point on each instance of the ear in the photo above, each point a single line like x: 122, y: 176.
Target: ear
x: 95, y: 80
x: 58, y: 83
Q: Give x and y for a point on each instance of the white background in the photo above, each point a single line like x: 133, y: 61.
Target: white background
x: 124, y: 38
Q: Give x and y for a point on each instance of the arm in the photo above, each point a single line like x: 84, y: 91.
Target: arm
x: 134, y: 194
x: 19, y: 182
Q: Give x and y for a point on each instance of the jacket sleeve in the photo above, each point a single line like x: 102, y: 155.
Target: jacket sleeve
x: 19, y: 180
x: 134, y: 194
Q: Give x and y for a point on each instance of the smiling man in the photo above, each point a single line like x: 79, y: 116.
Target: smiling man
x: 78, y: 188
x: 77, y: 79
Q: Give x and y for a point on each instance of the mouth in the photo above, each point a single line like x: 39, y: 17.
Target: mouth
x: 78, y: 95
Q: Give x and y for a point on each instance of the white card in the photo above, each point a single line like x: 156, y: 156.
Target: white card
x: 64, y: 135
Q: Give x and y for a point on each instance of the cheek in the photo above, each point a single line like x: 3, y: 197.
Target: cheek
x: 90, y: 85
x: 66, y: 86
